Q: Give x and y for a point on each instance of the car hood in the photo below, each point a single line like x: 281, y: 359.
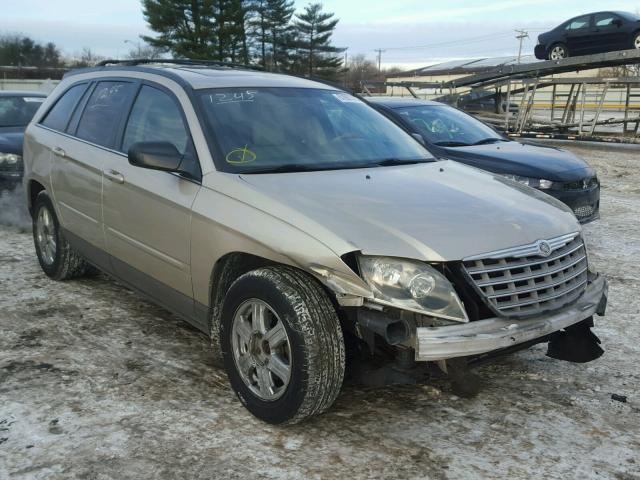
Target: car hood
x: 536, y: 161
x: 435, y: 212
x: 11, y: 140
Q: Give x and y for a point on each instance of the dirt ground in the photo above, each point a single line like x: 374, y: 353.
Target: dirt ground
x: 96, y: 383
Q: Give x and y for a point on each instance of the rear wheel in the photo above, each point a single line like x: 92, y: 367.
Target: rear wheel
x: 57, y: 258
x: 636, y: 41
x: 558, y: 51
x: 282, y: 345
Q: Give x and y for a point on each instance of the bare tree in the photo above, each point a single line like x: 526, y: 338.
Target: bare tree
x: 144, y: 50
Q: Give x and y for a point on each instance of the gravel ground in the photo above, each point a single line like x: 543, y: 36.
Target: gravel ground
x: 97, y: 383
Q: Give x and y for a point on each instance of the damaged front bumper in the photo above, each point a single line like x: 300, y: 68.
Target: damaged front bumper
x: 482, y: 336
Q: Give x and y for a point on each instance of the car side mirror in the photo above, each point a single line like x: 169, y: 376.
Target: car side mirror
x: 419, y: 138
x: 162, y: 156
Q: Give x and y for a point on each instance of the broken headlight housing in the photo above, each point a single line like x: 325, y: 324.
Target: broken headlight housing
x: 411, y: 285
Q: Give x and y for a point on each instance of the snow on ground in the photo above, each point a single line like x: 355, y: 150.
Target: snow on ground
x: 97, y: 383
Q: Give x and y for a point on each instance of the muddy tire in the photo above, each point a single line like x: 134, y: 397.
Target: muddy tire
x: 57, y: 258
x: 282, y: 344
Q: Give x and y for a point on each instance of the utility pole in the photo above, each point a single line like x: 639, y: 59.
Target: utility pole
x: 345, y: 67
x: 379, y: 50
x: 522, y: 34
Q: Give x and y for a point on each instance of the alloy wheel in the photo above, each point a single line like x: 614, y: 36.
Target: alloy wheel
x: 45, y: 236
x: 261, y: 349
x: 558, y: 53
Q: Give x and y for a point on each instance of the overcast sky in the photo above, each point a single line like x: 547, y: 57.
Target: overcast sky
x: 445, y: 29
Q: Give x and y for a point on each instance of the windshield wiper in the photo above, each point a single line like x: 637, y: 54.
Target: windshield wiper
x: 304, y: 167
x: 287, y: 168
x: 451, y: 143
x: 485, y: 141
x: 390, y: 162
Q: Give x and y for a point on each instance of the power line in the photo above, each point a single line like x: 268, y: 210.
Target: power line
x: 455, y: 42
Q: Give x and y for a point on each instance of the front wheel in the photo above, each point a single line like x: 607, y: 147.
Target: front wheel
x: 558, y: 52
x: 282, y: 345
x: 636, y: 41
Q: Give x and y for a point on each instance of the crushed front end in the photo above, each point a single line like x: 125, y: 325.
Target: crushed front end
x: 541, y: 292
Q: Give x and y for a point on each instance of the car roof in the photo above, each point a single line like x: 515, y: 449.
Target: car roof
x: 21, y: 93
x: 208, y: 76
x: 627, y: 15
x: 399, y: 102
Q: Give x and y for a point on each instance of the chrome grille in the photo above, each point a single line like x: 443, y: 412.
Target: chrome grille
x: 520, y: 282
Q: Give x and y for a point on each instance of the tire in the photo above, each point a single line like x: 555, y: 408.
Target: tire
x: 636, y: 41
x: 56, y: 257
x: 315, y: 344
x: 558, y: 51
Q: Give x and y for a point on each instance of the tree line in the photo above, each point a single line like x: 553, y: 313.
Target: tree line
x: 19, y: 50
x: 269, y: 33
x: 265, y: 32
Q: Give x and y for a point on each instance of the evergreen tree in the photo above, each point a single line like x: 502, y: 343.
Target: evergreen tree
x: 271, y: 31
x: 279, y: 14
x: 231, y: 20
x: 316, y: 55
x: 186, y: 27
x: 199, y: 28
x: 258, y: 26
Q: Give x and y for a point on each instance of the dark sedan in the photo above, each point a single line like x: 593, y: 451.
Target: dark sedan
x: 16, y: 111
x: 453, y: 134
x: 591, y: 33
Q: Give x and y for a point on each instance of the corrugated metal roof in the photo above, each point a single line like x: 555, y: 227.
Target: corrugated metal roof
x: 453, y: 64
x: 471, y: 65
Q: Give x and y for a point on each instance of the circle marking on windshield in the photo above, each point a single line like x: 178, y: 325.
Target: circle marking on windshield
x: 240, y: 156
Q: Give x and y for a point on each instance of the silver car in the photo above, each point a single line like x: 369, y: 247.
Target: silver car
x: 287, y: 219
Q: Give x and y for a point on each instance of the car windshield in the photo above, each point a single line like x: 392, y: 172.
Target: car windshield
x: 263, y: 130
x: 629, y: 16
x: 17, y: 111
x: 448, y: 127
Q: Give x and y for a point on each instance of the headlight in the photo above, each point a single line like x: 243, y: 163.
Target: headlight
x: 10, y: 158
x: 411, y: 285
x: 539, y: 183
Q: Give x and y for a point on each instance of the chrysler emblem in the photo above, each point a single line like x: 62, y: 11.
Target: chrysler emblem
x: 544, y: 249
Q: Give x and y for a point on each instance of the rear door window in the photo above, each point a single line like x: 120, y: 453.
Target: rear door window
x: 605, y: 19
x: 102, y: 115
x: 58, y: 117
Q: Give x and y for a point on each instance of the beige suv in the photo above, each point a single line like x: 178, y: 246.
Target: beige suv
x: 286, y: 219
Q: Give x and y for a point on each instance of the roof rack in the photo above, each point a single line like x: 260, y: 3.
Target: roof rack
x: 187, y: 62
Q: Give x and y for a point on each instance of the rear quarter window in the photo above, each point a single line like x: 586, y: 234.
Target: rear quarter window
x: 59, y: 115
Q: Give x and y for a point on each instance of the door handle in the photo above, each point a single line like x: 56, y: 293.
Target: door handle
x: 59, y: 152
x: 114, y: 176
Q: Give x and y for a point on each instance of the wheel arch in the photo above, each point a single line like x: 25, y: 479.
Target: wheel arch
x: 227, y: 270
x: 33, y: 189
